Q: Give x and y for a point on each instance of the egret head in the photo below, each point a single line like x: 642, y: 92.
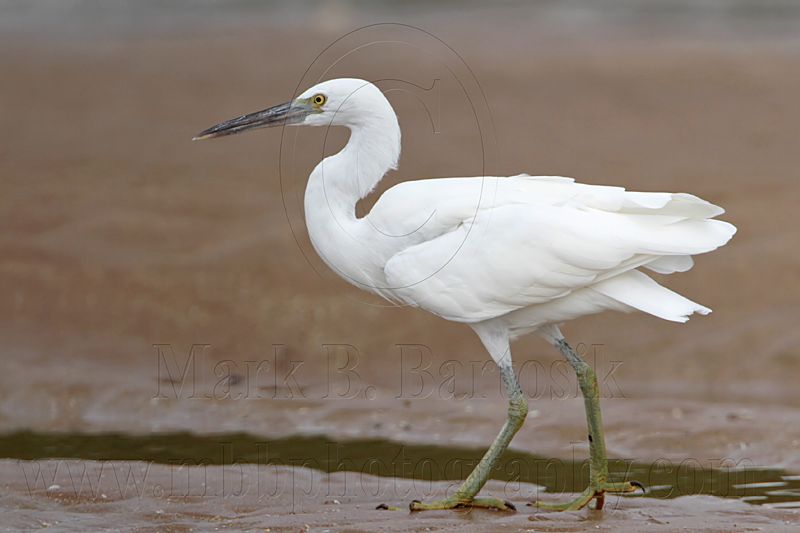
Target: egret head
x: 341, y: 102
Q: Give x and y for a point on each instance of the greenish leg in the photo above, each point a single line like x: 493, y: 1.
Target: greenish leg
x: 465, y: 495
x: 598, y: 466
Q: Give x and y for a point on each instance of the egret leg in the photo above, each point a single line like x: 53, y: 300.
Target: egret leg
x: 598, y: 466
x: 465, y: 495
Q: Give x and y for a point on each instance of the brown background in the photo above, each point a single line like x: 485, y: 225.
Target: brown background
x: 120, y: 233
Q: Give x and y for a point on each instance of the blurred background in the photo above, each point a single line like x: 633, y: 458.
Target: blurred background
x: 124, y: 243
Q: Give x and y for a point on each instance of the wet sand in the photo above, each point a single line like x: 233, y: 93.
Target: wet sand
x: 122, y: 234
x: 165, y: 498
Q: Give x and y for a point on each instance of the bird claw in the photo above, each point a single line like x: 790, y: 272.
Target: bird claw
x: 592, y: 493
x: 638, y: 486
x: 495, y: 504
x: 384, y: 507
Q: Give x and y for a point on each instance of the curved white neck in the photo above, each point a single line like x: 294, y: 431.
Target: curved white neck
x: 372, y: 150
x: 338, y: 182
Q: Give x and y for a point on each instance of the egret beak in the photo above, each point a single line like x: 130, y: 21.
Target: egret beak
x: 279, y: 115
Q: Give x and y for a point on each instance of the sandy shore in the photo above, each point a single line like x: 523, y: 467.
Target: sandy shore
x: 141, y: 496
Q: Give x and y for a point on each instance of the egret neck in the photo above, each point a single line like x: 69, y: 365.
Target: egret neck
x: 339, y: 181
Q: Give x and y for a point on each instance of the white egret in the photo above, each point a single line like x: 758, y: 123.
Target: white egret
x: 505, y: 255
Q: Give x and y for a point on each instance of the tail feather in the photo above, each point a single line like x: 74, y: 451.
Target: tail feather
x: 671, y: 204
x: 638, y: 291
x: 669, y: 264
x: 686, y: 237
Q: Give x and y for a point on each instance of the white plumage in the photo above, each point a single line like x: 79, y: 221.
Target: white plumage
x: 506, y: 255
x: 529, y: 241
x: 520, y: 252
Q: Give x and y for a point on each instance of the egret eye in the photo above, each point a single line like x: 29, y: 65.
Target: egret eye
x: 319, y: 99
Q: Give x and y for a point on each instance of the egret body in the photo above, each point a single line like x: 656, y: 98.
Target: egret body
x: 505, y: 255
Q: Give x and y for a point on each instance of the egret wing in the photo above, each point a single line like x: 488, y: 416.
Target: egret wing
x: 524, y: 241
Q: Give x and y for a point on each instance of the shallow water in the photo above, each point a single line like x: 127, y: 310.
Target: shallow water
x: 663, y: 479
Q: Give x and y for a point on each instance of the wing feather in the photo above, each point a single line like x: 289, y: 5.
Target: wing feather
x: 490, y: 246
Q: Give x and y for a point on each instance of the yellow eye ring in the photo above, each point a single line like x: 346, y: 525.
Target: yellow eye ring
x: 318, y: 99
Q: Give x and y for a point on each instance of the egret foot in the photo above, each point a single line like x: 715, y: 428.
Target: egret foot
x: 464, y: 497
x: 592, y: 492
x: 454, y: 503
